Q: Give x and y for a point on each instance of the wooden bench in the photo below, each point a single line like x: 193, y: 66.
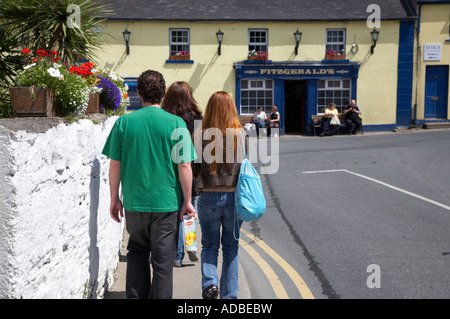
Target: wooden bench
x: 245, y: 119
x: 316, y: 122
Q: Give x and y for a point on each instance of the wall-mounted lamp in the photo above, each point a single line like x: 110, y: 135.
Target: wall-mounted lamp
x: 126, y: 37
x: 298, y: 38
x: 374, y: 35
x: 219, y: 35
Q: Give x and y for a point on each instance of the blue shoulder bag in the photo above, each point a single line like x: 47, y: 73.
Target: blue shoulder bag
x: 249, y: 200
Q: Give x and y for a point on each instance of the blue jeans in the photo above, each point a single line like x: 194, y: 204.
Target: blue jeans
x: 259, y: 124
x: 180, y: 248
x: 216, y: 209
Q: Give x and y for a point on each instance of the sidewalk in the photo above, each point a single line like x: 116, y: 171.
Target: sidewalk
x: 186, y: 280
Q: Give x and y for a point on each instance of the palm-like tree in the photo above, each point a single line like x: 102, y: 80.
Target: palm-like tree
x: 10, y: 61
x: 65, y: 26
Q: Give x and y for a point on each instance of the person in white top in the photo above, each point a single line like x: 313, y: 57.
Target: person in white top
x: 260, y: 120
x: 330, y: 129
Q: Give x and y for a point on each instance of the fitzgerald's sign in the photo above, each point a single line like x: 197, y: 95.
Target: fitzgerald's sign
x: 297, y: 71
x: 311, y: 71
x: 305, y: 71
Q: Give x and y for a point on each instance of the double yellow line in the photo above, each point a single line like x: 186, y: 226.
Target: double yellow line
x: 275, y: 282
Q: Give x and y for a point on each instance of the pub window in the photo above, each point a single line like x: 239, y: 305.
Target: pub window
x: 179, y: 41
x: 333, y: 91
x: 335, y: 40
x: 254, y: 94
x: 257, y: 40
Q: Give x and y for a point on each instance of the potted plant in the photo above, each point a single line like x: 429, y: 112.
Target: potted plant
x: 182, y: 55
x: 85, y: 71
x: 46, y: 88
x: 114, y: 99
x: 33, y: 93
x: 257, y: 56
x: 335, y: 55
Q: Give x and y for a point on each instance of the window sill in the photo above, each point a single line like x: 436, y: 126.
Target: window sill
x: 257, y: 61
x: 180, y: 61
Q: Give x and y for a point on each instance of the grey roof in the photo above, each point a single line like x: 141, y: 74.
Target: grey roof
x: 255, y: 10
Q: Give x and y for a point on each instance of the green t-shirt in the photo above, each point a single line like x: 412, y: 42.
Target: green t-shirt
x: 150, y: 143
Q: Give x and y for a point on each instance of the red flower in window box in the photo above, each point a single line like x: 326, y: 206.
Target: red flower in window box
x: 258, y: 56
x: 182, y: 55
x: 334, y: 55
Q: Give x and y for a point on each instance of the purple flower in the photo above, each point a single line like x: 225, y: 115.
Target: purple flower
x: 110, y: 95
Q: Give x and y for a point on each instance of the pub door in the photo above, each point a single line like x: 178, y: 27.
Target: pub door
x: 294, y: 102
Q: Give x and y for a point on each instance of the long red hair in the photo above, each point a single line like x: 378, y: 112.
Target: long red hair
x: 221, y: 113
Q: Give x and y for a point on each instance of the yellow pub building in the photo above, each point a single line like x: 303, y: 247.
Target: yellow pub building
x: 392, y: 57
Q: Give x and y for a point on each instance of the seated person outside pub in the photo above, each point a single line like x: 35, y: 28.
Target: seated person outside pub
x: 274, y: 121
x: 352, y: 112
x: 330, y: 121
x: 260, y: 120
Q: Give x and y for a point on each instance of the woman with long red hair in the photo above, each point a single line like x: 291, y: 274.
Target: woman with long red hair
x: 222, y: 154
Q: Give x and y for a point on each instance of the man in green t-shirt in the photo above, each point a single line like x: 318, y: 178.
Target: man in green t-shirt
x: 150, y: 151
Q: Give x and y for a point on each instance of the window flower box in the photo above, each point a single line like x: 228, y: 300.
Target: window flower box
x: 32, y: 101
x: 180, y: 56
x: 261, y: 56
x: 334, y: 55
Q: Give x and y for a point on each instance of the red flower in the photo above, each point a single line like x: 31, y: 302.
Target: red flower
x: 80, y: 71
x: 25, y: 51
x: 87, y: 66
x: 35, y: 59
x: 42, y: 53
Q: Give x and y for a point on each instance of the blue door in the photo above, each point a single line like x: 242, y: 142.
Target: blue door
x: 436, y: 92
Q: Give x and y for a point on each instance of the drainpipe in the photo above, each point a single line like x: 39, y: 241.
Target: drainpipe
x: 417, y: 63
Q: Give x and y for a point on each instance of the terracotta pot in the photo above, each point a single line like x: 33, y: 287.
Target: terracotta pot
x: 34, y: 101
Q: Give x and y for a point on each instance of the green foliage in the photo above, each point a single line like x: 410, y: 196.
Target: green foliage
x: 52, y: 25
x: 66, y: 27
x: 72, y: 94
x: 70, y: 90
x: 10, y: 61
x: 5, y: 102
x: 36, y: 74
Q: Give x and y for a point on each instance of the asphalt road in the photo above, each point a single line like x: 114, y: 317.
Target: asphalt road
x: 354, y: 217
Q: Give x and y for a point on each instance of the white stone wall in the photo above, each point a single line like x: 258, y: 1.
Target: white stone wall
x: 57, y: 239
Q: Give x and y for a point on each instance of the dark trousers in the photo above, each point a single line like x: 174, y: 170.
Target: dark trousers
x: 350, y: 122
x: 154, y: 233
x: 329, y: 130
